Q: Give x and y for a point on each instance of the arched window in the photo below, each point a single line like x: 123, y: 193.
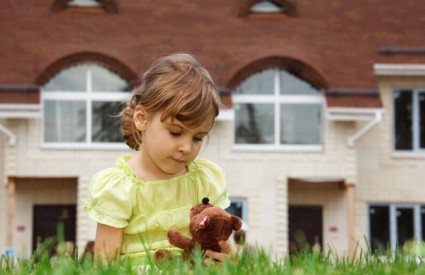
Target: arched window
x: 266, y: 6
x: 276, y: 7
x: 109, y: 6
x: 275, y: 109
x: 80, y: 107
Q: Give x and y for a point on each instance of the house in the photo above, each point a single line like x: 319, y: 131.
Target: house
x: 321, y: 136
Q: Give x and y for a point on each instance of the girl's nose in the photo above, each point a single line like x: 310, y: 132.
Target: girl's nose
x: 186, y: 147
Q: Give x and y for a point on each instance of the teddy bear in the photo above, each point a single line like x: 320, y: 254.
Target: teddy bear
x: 209, y: 226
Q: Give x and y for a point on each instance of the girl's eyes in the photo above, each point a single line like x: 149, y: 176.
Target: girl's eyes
x: 177, y: 134
x: 199, y: 139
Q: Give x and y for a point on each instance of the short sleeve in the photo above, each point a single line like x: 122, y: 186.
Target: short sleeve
x: 213, y: 184
x: 109, y: 198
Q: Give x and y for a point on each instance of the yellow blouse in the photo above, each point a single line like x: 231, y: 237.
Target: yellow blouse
x: 146, y: 210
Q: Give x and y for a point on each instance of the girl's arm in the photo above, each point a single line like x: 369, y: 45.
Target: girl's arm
x: 108, y: 242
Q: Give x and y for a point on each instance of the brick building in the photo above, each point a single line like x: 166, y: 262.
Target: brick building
x: 322, y: 131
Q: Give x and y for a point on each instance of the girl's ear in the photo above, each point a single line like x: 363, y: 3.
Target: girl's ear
x: 140, y: 117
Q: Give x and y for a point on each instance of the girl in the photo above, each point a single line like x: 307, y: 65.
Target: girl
x: 144, y: 195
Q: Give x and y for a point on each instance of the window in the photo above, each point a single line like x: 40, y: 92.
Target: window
x: 409, y: 120
x: 238, y: 207
x: 395, y: 226
x: 379, y: 225
x: 84, y: 3
x: 109, y: 6
x: 80, y: 105
x: 275, y: 109
x: 266, y: 7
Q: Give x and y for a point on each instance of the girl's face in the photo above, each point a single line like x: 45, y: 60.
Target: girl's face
x: 169, y: 147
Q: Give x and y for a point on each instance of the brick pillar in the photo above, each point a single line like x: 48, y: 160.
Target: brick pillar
x: 351, y: 219
x: 10, y: 211
x: 282, y: 217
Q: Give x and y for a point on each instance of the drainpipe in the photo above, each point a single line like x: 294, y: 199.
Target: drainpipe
x: 375, y: 120
x: 9, y: 134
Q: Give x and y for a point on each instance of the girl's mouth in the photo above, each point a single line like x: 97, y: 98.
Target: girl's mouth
x: 179, y: 160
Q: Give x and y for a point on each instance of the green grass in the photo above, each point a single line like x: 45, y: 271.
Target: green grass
x: 258, y: 262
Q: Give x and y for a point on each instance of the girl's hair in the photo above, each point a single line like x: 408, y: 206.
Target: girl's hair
x: 177, y: 85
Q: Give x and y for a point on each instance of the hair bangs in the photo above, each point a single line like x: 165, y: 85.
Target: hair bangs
x: 193, y: 108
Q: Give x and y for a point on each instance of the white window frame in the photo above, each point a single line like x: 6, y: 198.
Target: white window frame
x: 400, y: 70
x: 393, y: 207
x: 416, y: 150
x: 88, y: 96
x: 277, y: 99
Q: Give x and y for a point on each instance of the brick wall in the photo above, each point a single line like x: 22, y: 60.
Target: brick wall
x: 339, y: 39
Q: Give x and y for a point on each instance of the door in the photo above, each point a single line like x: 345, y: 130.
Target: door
x: 48, y: 218
x: 305, y: 228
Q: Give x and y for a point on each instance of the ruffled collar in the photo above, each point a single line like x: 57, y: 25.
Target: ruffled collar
x: 122, y: 163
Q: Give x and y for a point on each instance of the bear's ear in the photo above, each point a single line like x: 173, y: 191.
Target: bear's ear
x: 204, y: 223
x: 237, y: 223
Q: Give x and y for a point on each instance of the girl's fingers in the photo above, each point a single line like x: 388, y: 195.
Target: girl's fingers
x: 213, y: 257
x: 225, y: 247
x: 218, y: 256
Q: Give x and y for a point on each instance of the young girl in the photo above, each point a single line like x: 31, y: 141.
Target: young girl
x: 144, y: 195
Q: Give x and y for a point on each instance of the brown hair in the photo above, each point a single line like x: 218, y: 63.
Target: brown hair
x: 180, y: 87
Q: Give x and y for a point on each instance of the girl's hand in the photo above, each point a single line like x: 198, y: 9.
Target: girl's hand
x: 214, y: 257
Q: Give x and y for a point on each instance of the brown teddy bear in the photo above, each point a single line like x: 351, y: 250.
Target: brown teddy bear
x: 209, y: 225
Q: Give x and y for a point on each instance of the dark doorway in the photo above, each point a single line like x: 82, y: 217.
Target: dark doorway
x: 47, y: 219
x: 305, y: 228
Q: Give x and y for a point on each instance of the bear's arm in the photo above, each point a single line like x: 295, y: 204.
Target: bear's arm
x: 178, y: 239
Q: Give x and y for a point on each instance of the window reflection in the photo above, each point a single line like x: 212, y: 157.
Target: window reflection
x: 254, y: 124
x: 105, y: 80
x: 403, y: 120
x: 105, y: 122
x: 379, y: 217
x: 69, y: 79
x: 259, y: 84
x: 81, y: 104
x: 292, y: 85
x: 64, y: 121
x: 300, y: 123
x: 275, y: 107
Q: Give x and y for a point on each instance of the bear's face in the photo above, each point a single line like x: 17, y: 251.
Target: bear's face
x: 210, y: 224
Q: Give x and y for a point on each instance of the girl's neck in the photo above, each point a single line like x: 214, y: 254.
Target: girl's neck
x: 148, y: 171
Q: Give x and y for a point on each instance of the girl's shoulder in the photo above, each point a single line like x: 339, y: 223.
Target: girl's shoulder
x: 120, y: 176
x: 110, y: 196
x: 207, y: 170
x: 204, y: 165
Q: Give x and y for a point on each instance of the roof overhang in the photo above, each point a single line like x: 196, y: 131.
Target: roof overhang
x: 351, y: 114
x: 19, y: 101
x: 372, y: 116
x: 399, y: 69
x: 19, y: 111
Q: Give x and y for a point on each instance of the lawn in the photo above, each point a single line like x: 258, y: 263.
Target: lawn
x: 257, y: 262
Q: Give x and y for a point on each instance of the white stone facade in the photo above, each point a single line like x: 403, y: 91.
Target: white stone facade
x: 262, y: 178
